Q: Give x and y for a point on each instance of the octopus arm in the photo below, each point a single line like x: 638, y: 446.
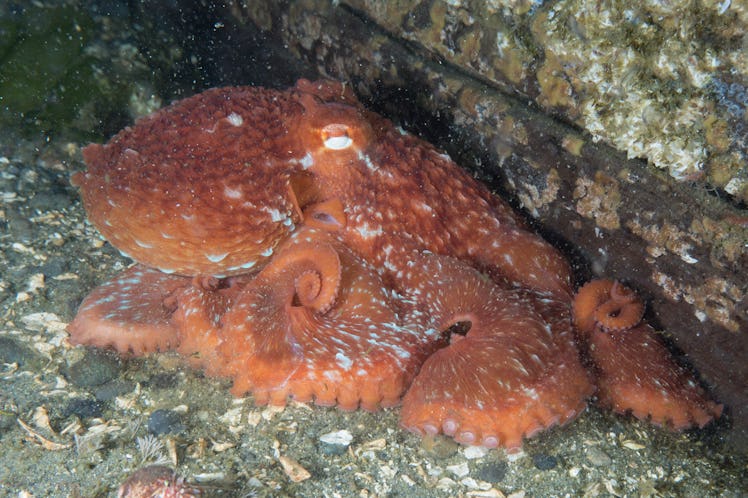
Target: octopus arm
x: 636, y: 372
x: 514, y: 373
x: 130, y: 313
x: 349, y: 348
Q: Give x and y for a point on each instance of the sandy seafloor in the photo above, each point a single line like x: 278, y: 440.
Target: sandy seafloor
x: 87, y: 415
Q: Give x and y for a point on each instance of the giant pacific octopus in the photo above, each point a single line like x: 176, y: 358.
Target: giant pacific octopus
x: 307, y: 248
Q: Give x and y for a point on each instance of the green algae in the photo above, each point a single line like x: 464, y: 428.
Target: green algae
x: 49, y: 81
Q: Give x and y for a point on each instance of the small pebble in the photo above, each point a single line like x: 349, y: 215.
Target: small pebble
x: 165, y: 422
x: 439, y: 446
x: 7, y: 420
x: 19, y: 227
x: 459, y: 470
x: 473, y: 452
x: 597, y: 457
x: 544, y: 462
x: 492, y: 472
x: 112, y: 389
x: 54, y: 266
x: 83, y: 408
x: 335, y: 443
x: 11, y: 351
x: 51, y: 199
x: 165, y: 380
x: 94, y: 369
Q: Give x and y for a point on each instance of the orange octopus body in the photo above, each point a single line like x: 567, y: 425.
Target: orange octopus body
x: 342, y: 252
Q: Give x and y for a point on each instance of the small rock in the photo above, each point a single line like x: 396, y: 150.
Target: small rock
x: 492, y: 471
x: 7, y: 420
x: 439, y: 446
x: 335, y: 443
x: 19, y: 227
x: 11, y: 351
x: 94, y: 369
x: 83, y: 408
x: 165, y: 422
x: 293, y: 469
x: 48, y: 200
x: 544, y: 462
x: 112, y: 389
x: 54, y: 266
x: 473, y: 452
x: 459, y: 470
x: 597, y: 457
x: 165, y: 380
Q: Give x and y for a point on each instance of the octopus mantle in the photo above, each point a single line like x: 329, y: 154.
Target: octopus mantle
x: 307, y: 248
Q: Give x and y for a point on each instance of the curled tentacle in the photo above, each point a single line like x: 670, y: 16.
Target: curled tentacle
x: 290, y: 335
x: 623, y: 311
x: 606, y: 304
x: 199, y: 310
x: 309, y: 275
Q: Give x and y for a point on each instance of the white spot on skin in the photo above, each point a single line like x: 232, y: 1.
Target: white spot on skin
x: 267, y: 252
x: 422, y: 206
x: 235, y: 119
x: 215, y: 258
x: 368, y: 232
x: 307, y: 161
x: 367, y: 160
x: 232, y: 193
x: 343, y: 361
x: 142, y: 244
x: 275, y: 215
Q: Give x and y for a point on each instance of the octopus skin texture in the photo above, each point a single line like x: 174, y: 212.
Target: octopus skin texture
x: 306, y: 248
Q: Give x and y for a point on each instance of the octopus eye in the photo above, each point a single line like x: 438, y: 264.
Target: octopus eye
x: 335, y: 136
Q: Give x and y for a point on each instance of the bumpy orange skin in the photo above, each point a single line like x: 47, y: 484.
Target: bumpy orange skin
x: 331, y: 253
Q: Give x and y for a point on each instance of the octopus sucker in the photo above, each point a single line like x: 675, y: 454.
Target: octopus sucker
x: 306, y: 248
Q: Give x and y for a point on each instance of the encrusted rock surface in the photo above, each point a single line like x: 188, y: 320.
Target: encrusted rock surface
x: 663, y: 81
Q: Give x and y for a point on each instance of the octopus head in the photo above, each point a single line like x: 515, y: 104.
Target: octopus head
x: 201, y: 187
x: 334, y: 129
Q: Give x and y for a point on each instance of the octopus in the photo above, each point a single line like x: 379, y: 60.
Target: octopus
x: 307, y: 248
